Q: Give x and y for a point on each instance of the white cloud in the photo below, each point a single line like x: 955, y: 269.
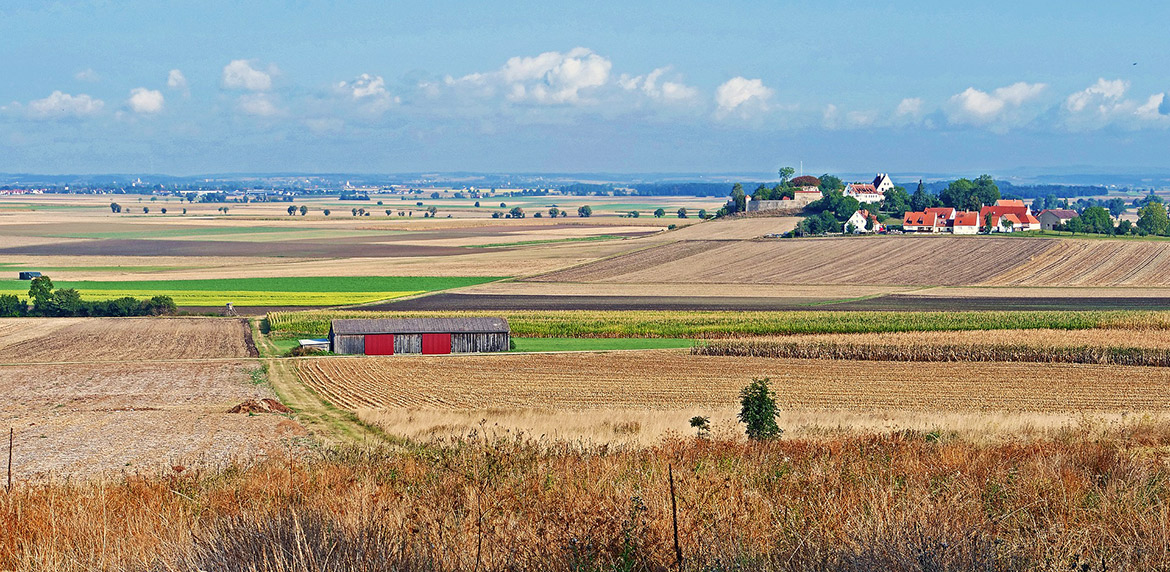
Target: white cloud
x: 1104, y: 104
x: 650, y: 84
x: 144, y: 100
x: 910, y: 107
x: 87, y: 75
x: 1103, y: 93
x: 742, y: 93
x: 176, y: 80
x: 258, y: 104
x: 59, y: 105
x: 239, y: 74
x: 369, y: 90
x: 551, y: 78
x: 980, y: 108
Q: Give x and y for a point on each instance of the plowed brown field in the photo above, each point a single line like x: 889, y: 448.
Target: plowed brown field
x: 1093, y: 263
x: 31, y: 340
x: 947, y: 261
x: 676, y: 380
x: 890, y: 261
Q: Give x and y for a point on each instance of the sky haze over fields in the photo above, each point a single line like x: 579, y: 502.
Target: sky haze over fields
x: 151, y: 86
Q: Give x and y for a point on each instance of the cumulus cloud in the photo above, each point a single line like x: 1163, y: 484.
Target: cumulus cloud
x: 1105, y: 104
x: 369, y: 90
x: 1103, y: 93
x: 551, y: 78
x: 59, y: 105
x: 980, y: 108
x: 87, y: 75
x: 652, y: 85
x: 240, y: 74
x: 144, y: 100
x: 176, y: 80
x: 910, y: 107
x: 741, y: 94
x: 260, y: 104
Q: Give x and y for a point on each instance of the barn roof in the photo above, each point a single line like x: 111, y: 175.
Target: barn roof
x: 419, y: 326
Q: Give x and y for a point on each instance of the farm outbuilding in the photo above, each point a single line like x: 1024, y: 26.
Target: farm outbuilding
x: 418, y: 336
x: 29, y: 275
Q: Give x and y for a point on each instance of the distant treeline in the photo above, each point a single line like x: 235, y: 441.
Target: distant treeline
x: 67, y: 302
x: 1011, y: 191
x: 651, y: 189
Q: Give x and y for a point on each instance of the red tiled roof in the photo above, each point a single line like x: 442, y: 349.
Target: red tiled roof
x: 922, y: 219
x: 945, y: 212
x: 863, y: 188
x: 1009, y: 203
x: 967, y: 218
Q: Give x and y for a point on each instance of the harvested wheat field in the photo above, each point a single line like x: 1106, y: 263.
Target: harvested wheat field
x: 1093, y: 263
x: 675, y: 380
x: 863, y: 261
x: 32, y: 340
x: 140, y: 416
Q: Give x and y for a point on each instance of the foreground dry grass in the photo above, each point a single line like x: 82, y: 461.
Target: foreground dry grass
x: 1085, y: 498
x: 670, y: 379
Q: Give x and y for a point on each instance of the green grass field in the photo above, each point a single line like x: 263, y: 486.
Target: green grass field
x: 598, y: 344
x: 304, y: 291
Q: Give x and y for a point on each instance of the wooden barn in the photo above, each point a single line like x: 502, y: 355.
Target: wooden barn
x: 418, y: 336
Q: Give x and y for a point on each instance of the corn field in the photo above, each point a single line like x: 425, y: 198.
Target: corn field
x: 709, y: 324
x: 1096, y: 346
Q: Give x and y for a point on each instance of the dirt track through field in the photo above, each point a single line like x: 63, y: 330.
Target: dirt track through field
x: 674, y: 379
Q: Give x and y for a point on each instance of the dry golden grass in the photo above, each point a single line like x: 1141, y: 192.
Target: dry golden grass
x: 647, y: 427
x: 1088, y: 497
x: 671, y: 380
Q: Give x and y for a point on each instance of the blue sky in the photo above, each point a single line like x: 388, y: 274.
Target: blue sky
x: 364, y: 86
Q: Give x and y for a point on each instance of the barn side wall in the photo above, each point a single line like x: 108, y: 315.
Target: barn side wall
x: 349, y: 344
x: 475, y: 343
x: 408, y: 343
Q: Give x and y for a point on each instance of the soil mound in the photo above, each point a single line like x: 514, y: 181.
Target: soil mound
x: 260, y: 406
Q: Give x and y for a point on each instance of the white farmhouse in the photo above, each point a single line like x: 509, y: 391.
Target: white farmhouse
x: 883, y: 183
x: 864, y: 193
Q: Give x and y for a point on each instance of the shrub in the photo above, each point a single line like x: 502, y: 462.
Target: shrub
x: 11, y: 306
x: 758, y: 410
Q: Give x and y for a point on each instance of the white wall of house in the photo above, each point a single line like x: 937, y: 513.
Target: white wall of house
x: 958, y: 229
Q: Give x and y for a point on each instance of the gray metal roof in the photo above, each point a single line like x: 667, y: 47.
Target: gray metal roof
x: 419, y: 326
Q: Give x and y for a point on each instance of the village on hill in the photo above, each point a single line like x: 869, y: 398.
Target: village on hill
x: 965, y: 206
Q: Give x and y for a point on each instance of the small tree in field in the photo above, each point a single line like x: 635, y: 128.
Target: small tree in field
x: 758, y: 410
x: 702, y: 425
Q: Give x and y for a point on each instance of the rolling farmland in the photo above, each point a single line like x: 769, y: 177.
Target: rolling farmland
x: 901, y: 261
x: 243, y: 292
x: 667, y: 379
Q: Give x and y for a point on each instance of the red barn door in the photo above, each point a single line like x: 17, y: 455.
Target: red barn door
x: 436, y: 343
x: 379, y: 344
